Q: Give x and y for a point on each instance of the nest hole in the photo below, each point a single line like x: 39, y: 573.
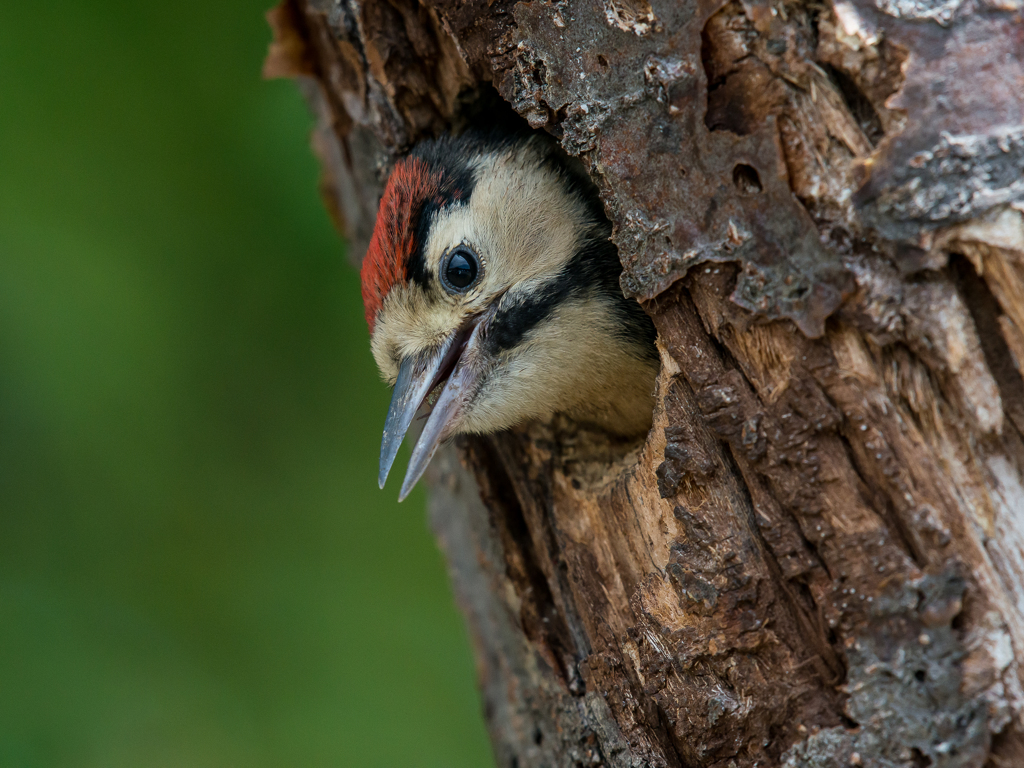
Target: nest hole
x: 746, y: 179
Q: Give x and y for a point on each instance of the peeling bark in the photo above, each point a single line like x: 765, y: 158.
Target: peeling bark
x: 816, y: 557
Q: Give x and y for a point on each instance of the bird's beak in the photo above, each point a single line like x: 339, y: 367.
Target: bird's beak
x: 418, y: 375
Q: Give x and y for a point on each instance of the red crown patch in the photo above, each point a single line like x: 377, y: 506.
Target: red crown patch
x: 409, y: 187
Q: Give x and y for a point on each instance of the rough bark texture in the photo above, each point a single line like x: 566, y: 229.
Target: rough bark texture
x: 816, y: 558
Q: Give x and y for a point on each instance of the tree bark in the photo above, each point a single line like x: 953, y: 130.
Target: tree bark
x: 816, y: 557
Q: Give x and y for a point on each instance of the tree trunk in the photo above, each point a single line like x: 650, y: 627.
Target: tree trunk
x: 817, y: 556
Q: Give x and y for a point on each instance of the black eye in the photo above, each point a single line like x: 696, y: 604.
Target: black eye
x: 460, y: 270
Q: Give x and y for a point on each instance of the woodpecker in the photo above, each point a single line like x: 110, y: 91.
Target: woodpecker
x: 491, y: 289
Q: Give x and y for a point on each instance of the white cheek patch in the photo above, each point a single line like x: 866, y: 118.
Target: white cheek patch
x: 573, y: 363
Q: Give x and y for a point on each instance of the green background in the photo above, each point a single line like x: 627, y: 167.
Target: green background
x: 196, y: 566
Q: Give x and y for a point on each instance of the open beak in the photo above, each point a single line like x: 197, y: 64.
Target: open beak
x: 418, y: 376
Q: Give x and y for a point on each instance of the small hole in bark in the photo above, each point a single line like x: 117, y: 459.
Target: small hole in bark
x: 602, y: 60
x: 958, y: 621
x: 514, y: 763
x: 919, y: 758
x: 920, y: 675
x: 746, y: 179
x: 538, y: 737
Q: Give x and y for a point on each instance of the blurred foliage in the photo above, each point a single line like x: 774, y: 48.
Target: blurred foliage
x: 196, y: 566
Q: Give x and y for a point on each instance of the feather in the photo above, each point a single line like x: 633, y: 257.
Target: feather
x: 411, y: 185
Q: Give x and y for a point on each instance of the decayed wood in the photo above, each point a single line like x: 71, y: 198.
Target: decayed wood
x: 816, y: 557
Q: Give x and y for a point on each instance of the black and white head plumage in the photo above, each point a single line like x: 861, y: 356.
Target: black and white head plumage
x: 496, y: 246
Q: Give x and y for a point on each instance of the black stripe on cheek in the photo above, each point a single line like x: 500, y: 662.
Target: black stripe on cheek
x: 516, y: 319
x: 593, y: 270
x: 588, y: 269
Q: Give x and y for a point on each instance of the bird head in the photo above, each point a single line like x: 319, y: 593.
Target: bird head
x: 491, y: 283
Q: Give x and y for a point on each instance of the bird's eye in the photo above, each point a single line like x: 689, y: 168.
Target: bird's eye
x: 460, y: 270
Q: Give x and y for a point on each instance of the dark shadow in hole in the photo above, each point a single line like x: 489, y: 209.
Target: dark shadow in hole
x: 860, y: 106
x: 707, y: 60
x: 746, y: 179
x: 482, y: 107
